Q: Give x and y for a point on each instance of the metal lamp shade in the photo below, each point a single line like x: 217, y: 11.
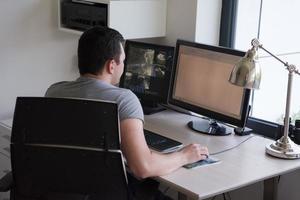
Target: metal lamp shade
x: 246, y: 73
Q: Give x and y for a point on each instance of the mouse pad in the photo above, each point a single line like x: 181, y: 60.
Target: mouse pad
x: 207, y: 161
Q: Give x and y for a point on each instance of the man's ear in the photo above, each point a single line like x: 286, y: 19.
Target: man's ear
x: 110, y: 66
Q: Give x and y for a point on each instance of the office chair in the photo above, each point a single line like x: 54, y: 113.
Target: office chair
x: 66, y: 149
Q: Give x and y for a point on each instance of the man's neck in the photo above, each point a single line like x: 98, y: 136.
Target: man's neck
x: 99, y: 77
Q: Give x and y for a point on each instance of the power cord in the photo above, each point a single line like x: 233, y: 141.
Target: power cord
x: 5, y: 155
x: 213, y: 198
x: 223, y: 195
x: 218, y: 152
x: 166, y: 190
x: 228, y: 195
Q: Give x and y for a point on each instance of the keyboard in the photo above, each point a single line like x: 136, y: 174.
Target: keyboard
x: 161, y: 143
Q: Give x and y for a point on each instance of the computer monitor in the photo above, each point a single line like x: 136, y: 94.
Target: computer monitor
x: 147, y: 72
x: 200, y: 84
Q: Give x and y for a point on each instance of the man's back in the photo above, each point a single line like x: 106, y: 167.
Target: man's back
x: 90, y: 88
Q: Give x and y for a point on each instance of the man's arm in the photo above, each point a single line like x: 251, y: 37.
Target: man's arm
x: 145, y: 163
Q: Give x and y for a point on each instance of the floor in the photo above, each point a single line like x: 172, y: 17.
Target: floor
x: 4, y: 155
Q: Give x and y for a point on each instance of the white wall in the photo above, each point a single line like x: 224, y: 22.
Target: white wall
x: 208, y: 21
x: 194, y: 20
x: 33, y: 53
x: 181, y: 20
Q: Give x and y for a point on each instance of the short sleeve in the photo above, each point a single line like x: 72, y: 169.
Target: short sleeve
x: 130, y: 106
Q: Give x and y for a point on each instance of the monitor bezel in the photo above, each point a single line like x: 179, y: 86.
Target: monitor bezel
x: 202, y: 111
x: 149, y: 99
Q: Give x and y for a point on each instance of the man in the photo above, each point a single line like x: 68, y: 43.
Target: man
x: 100, y: 61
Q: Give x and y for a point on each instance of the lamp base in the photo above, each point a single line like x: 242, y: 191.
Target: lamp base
x: 284, y: 148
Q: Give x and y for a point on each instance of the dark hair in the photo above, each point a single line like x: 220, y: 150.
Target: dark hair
x: 96, y: 46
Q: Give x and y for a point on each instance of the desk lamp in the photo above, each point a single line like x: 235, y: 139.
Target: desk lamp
x: 246, y: 73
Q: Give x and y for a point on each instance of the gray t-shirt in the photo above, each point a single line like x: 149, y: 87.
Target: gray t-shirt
x: 90, y: 88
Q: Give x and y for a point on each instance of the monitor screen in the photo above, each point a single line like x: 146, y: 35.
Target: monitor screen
x: 200, y: 84
x: 147, y: 72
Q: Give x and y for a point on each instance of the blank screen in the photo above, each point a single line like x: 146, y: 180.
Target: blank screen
x: 201, y: 79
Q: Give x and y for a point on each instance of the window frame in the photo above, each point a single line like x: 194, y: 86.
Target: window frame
x: 227, y: 39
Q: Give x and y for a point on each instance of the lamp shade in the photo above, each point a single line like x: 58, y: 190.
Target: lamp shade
x: 246, y: 73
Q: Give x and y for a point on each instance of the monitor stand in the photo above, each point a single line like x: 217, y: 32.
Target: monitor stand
x: 209, y: 126
x: 148, y: 110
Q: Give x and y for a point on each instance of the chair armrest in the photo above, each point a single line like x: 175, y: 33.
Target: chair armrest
x: 6, y: 182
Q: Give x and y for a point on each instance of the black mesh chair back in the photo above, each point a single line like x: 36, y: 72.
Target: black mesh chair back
x: 64, y: 148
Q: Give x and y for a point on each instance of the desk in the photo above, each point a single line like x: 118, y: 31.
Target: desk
x: 239, y: 167
x: 231, y: 173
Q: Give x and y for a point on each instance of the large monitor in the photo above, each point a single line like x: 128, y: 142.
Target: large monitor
x: 147, y: 73
x: 200, y: 84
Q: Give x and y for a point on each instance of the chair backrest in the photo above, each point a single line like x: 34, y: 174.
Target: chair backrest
x: 64, y: 148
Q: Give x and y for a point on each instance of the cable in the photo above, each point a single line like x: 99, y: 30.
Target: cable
x: 213, y: 197
x: 5, y: 155
x: 218, y: 152
x: 228, y: 195
x: 224, y: 197
x: 166, y: 190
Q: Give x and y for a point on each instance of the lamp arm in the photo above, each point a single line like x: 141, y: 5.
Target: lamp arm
x: 290, y: 67
x: 245, y: 68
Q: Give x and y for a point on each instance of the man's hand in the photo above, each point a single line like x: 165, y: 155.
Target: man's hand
x: 194, y: 153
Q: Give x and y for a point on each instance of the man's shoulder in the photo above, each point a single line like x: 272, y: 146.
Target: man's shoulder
x: 60, y: 83
x: 55, y: 87
x: 126, y: 93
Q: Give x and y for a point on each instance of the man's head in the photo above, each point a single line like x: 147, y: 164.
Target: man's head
x: 99, y: 47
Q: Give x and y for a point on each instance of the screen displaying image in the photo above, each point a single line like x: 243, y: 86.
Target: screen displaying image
x: 147, y: 69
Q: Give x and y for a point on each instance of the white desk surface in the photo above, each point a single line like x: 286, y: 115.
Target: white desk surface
x: 246, y: 164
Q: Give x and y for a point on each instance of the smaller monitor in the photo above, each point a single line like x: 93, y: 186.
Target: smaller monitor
x: 147, y: 71
x: 200, y: 84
